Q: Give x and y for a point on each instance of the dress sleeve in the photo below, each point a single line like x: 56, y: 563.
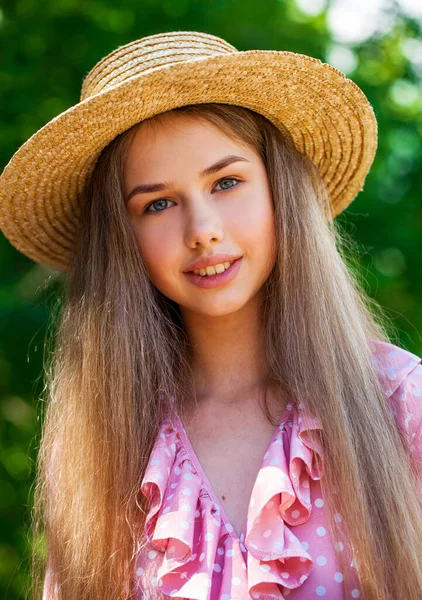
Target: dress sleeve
x: 406, y: 403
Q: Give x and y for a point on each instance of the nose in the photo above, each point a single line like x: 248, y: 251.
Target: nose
x: 204, y: 224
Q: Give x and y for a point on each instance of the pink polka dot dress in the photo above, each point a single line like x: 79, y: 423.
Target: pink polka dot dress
x: 285, y: 550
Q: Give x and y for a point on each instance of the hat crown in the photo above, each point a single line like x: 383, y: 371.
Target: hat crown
x: 149, y: 53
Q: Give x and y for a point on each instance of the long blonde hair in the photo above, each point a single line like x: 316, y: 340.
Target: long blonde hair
x: 119, y: 352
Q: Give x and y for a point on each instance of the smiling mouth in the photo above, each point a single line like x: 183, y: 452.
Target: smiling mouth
x: 213, y: 270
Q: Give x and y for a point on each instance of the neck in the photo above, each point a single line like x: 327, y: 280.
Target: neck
x: 227, y: 356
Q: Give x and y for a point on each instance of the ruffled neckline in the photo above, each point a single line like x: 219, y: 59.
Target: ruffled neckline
x: 189, y: 529
x: 189, y: 526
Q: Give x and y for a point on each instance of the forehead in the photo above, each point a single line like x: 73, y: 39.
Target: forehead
x: 174, y: 139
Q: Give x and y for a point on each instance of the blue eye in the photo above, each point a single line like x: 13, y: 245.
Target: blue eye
x: 228, y: 179
x: 148, y: 209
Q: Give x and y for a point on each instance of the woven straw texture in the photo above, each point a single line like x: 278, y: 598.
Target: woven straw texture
x: 326, y: 116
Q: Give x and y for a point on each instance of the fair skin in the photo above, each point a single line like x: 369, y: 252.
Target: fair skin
x: 199, y: 215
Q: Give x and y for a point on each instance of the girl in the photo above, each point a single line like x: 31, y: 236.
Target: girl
x: 227, y: 417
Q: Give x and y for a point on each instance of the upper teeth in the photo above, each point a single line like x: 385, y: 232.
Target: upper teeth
x: 220, y: 268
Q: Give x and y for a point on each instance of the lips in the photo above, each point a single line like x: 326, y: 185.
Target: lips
x: 217, y: 280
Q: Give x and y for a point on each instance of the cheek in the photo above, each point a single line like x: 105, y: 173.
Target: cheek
x: 157, y: 249
x: 255, y: 222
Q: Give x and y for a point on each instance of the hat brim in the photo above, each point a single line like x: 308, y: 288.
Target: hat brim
x: 326, y: 115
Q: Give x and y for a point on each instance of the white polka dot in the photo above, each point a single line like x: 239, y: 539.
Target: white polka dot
x: 303, y: 578
x: 216, y: 568
x: 154, y: 581
x: 187, y: 476
x: 274, y: 461
x: 177, y: 470
x: 229, y: 527
x: 305, y: 545
x: 166, y: 510
x: 229, y: 552
x: 337, y: 518
x: 320, y: 591
x: 207, y: 582
x: 319, y: 502
x: 255, y: 594
x: 220, y: 551
x: 186, y: 507
x: 173, y: 592
x: 139, y: 571
x: 355, y: 593
x: 340, y: 546
x: 267, y: 533
x: 152, y: 554
x: 266, y: 454
x: 198, y: 514
x: 338, y: 577
x: 225, y: 597
x: 279, y: 545
x: 266, y: 568
x: 321, y: 561
x: 185, y: 525
x: 285, y: 575
x: 235, y: 581
x: 321, y: 531
x: 193, y: 556
x: 295, y: 514
x: 305, y: 484
x: 202, y: 556
x: 186, y: 492
x: 391, y: 375
x: 208, y: 536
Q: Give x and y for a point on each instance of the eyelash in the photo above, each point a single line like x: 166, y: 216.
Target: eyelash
x: 146, y: 210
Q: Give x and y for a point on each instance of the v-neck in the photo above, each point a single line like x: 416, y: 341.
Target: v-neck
x: 206, y: 482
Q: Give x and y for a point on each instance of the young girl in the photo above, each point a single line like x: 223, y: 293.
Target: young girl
x: 226, y: 418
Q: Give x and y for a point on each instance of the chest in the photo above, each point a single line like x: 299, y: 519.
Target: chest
x: 230, y: 452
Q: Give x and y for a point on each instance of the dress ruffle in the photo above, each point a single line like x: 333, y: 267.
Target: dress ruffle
x: 187, y: 525
x: 197, y: 555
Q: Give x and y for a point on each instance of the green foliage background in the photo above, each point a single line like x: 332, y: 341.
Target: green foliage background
x: 46, y: 49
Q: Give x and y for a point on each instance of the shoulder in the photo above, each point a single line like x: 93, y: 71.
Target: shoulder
x: 400, y: 374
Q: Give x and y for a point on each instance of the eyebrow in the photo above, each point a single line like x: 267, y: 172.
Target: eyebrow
x: 149, y: 188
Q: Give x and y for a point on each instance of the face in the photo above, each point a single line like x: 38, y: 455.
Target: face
x: 197, y: 213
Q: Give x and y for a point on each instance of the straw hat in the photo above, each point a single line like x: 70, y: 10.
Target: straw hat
x: 326, y: 115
